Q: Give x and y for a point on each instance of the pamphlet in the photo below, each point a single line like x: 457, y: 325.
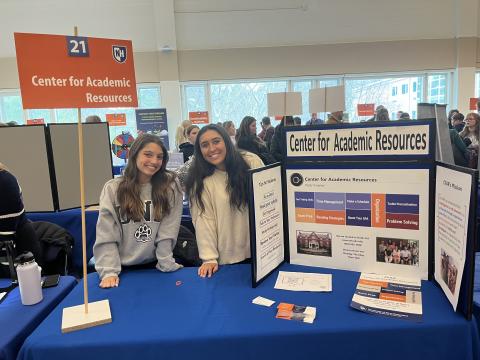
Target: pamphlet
x: 296, y: 312
x: 390, y: 296
x: 263, y: 301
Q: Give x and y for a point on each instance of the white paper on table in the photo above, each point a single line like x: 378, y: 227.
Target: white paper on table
x: 2, y: 294
x: 298, y: 281
x: 263, y: 301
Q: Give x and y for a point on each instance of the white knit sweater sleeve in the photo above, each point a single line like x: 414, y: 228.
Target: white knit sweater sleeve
x: 206, y: 227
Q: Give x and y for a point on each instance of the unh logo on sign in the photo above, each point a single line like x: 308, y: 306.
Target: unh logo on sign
x: 119, y: 53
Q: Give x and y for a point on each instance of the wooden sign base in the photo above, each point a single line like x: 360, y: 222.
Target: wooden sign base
x: 74, y: 317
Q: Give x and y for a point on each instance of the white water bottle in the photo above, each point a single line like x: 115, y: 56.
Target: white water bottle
x: 29, y: 279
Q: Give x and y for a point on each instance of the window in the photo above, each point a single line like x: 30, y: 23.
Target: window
x: 303, y: 87
x: 414, y: 86
x: 404, y: 88
x: 11, y: 107
x: 380, y: 91
x: 437, y: 88
x: 233, y: 101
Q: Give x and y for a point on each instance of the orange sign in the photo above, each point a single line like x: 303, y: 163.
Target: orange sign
x: 366, y: 109
x: 198, y: 117
x: 116, y: 119
x: 58, y: 71
x: 35, y: 121
x: 473, y: 103
x: 278, y: 117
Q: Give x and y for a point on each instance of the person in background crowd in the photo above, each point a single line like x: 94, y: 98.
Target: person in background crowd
x: 314, y: 120
x: 3, y: 124
x: 14, y: 224
x: 457, y: 122
x: 267, y: 131
x: 180, y: 135
x: 248, y: 140
x: 140, y: 213
x: 187, y: 148
x: 229, y: 126
x: 297, y: 120
x: 12, y: 123
x: 93, y: 119
x: 381, y: 114
x: 451, y: 113
x: 217, y: 187
x: 470, y: 132
x: 277, y: 146
x: 404, y: 116
x: 460, y: 153
x: 335, y: 117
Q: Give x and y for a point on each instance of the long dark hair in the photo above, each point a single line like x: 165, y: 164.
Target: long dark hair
x: 129, y: 190
x: 235, y: 167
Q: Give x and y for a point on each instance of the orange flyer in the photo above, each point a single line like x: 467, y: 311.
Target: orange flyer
x: 116, y: 119
x: 473, y: 103
x: 57, y: 71
x: 35, y: 121
x: 198, y: 117
x: 366, y: 109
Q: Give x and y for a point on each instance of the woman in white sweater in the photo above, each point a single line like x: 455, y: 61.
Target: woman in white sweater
x: 217, y: 189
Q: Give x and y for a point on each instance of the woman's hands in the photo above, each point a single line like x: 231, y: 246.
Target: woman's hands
x: 109, y: 282
x: 207, y: 269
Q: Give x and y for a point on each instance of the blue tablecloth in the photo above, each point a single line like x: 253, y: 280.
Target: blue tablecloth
x: 71, y: 220
x: 18, y: 321
x: 153, y: 318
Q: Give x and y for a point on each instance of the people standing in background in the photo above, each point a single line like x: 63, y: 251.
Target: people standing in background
x: 404, y: 116
x: 267, y: 131
x: 93, y: 119
x: 314, y: 120
x: 248, y: 140
x: 451, y: 113
x: 457, y: 122
x: 229, y: 126
x: 277, y: 148
x: 217, y: 187
x: 188, y: 147
x: 335, y: 117
x: 180, y: 135
x: 139, y: 215
x: 297, y: 121
x: 470, y: 132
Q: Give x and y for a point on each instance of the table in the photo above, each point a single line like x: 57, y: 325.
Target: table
x: 71, y: 220
x: 153, y: 318
x: 18, y: 321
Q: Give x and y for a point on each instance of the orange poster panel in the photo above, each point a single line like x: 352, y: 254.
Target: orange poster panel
x: 366, y: 109
x: 473, y: 103
x: 305, y: 215
x: 116, y: 119
x: 35, y: 121
x: 198, y: 117
x: 57, y: 71
x: 379, y: 208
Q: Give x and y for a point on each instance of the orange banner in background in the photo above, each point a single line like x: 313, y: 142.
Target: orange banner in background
x: 198, y: 117
x: 35, y: 121
x: 473, y: 103
x: 366, y: 109
x: 116, y: 119
x: 57, y: 71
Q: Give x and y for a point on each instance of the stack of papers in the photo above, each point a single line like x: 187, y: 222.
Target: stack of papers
x: 296, y: 312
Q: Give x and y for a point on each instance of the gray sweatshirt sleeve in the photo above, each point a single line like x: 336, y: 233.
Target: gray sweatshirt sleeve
x: 105, y: 249
x: 168, y: 232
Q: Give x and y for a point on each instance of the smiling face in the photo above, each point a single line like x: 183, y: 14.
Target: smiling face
x: 149, y: 161
x: 213, y: 148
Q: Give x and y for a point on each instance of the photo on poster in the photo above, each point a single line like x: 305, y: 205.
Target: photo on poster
x: 397, y: 251
x: 339, y: 216
x: 449, y: 271
x: 314, y: 243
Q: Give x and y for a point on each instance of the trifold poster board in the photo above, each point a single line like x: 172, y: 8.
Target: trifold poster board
x: 97, y: 162
x: 455, y: 235
x: 360, y: 217
x: 266, y: 221
x: 24, y: 151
